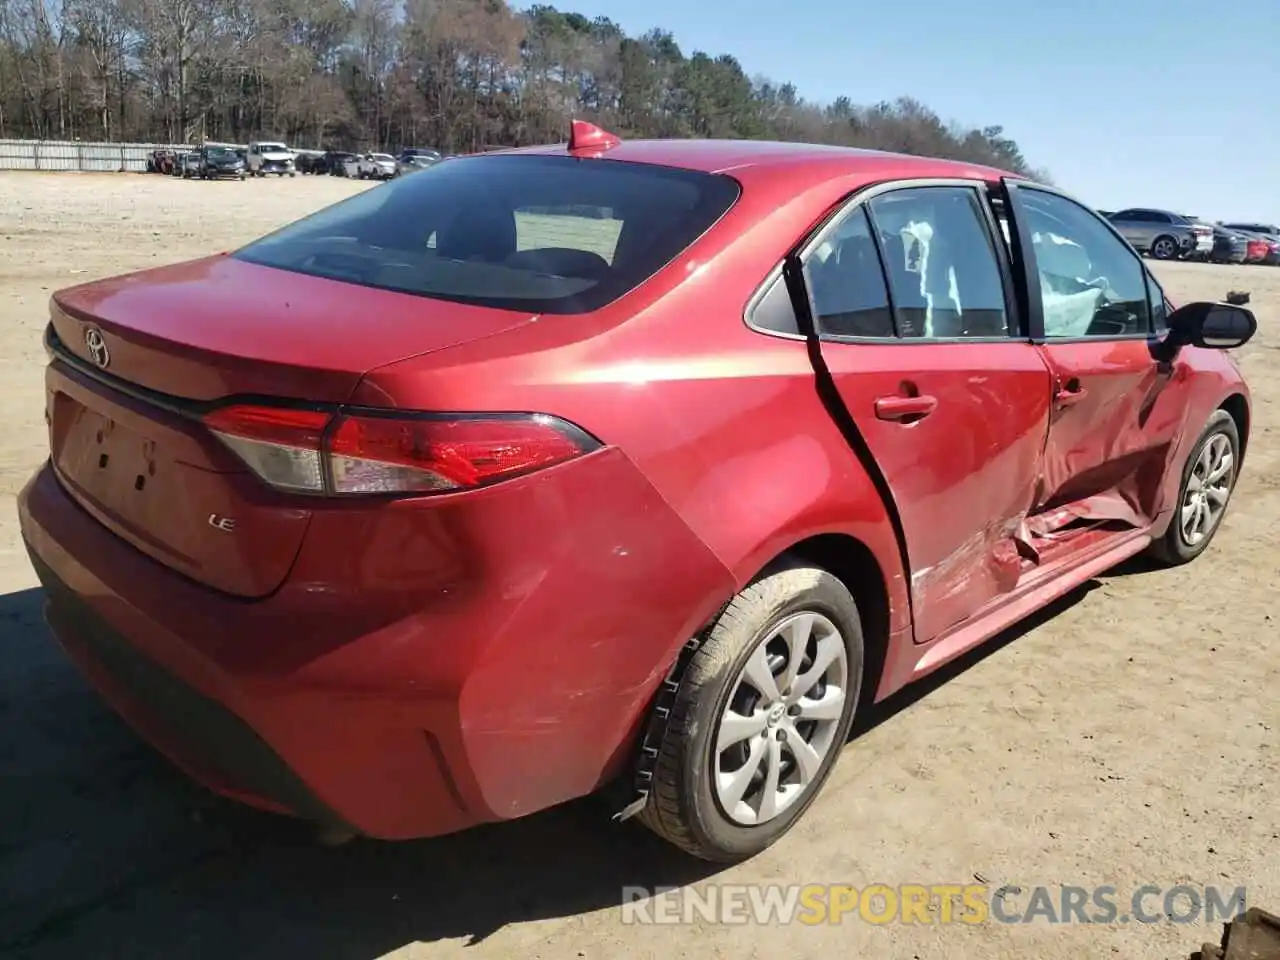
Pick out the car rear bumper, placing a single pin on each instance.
(1226, 254)
(434, 670)
(198, 733)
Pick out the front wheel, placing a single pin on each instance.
(759, 716)
(1208, 480)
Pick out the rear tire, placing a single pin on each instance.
(785, 740)
(1204, 493)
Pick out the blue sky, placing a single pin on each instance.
(1165, 103)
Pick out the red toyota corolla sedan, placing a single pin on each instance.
(635, 463)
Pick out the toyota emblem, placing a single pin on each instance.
(97, 345)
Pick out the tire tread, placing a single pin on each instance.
(666, 813)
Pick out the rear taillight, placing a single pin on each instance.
(281, 445)
(372, 452)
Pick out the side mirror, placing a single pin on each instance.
(1216, 326)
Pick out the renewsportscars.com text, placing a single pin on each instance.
(880, 904)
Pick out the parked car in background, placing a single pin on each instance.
(1203, 231)
(335, 162)
(1229, 246)
(415, 158)
(1268, 232)
(1257, 247)
(1158, 233)
(309, 161)
(179, 163)
(191, 165)
(405, 549)
(374, 166)
(1273, 245)
(270, 156)
(219, 163)
(161, 161)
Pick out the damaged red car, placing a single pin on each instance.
(642, 464)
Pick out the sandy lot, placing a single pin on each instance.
(1130, 737)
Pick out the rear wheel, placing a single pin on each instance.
(759, 717)
(1208, 480)
(1164, 248)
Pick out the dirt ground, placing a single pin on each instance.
(1129, 737)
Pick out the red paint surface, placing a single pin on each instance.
(1257, 250)
(435, 662)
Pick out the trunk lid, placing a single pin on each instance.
(142, 356)
(219, 326)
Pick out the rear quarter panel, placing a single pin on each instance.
(724, 421)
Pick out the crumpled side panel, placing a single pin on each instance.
(1108, 453)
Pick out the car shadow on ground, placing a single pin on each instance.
(107, 850)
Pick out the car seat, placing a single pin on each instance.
(849, 292)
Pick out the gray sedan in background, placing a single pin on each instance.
(1160, 233)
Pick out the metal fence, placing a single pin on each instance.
(78, 156)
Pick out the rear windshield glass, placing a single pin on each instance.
(521, 232)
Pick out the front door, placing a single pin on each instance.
(909, 292)
(1117, 412)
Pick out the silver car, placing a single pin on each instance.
(1158, 233)
(415, 158)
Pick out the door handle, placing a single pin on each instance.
(1069, 393)
(905, 409)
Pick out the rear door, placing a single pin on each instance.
(1135, 227)
(1094, 312)
(909, 291)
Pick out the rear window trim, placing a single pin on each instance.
(551, 307)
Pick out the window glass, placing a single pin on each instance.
(583, 227)
(773, 311)
(941, 262)
(1091, 282)
(521, 232)
(846, 283)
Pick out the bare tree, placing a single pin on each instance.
(459, 75)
